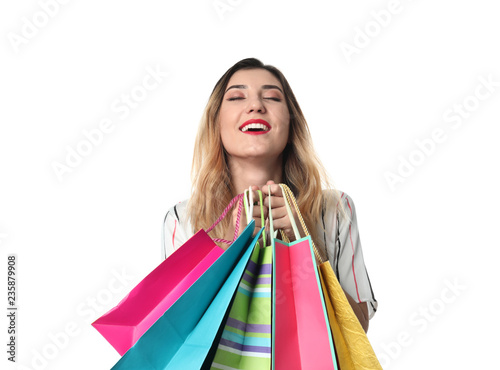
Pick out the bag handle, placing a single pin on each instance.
(270, 215)
(290, 198)
(272, 233)
(290, 213)
(249, 209)
(224, 213)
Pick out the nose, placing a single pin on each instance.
(255, 105)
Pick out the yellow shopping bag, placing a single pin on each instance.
(354, 351)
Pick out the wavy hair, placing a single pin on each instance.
(212, 188)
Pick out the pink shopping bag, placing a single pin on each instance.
(301, 336)
(124, 324)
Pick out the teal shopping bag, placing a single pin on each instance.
(245, 343)
(182, 337)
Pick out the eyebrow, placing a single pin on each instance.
(265, 87)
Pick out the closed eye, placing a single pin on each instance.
(241, 98)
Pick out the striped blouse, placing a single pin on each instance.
(341, 237)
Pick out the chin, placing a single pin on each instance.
(267, 156)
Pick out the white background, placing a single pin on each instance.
(437, 227)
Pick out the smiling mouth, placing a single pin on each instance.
(255, 127)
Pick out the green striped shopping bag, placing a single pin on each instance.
(246, 338)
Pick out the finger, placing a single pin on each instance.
(275, 189)
(267, 189)
(255, 195)
(259, 212)
(276, 202)
(266, 212)
(258, 223)
(283, 224)
(279, 213)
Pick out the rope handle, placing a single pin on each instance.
(224, 213)
(290, 198)
(290, 213)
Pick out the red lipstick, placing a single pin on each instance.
(255, 127)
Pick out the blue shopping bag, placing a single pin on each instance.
(182, 337)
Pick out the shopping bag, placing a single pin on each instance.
(246, 339)
(183, 335)
(359, 350)
(342, 351)
(354, 351)
(245, 342)
(301, 333)
(124, 324)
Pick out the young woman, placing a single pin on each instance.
(253, 133)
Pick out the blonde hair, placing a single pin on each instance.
(212, 188)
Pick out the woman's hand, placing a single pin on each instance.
(281, 220)
(360, 310)
(279, 211)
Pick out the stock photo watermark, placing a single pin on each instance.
(87, 311)
(364, 35)
(11, 307)
(223, 6)
(454, 117)
(419, 321)
(31, 26)
(122, 106)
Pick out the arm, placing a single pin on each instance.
(361, 311)
(346, 256)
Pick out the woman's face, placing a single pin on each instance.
(254, 119)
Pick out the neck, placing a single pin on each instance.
(247, 172)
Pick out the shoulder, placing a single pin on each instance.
(337, 201)
(178, 212)
(338, 211)
(347, 203)
(176, 228)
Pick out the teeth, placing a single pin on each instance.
(255, 126)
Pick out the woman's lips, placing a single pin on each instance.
(255, 127)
